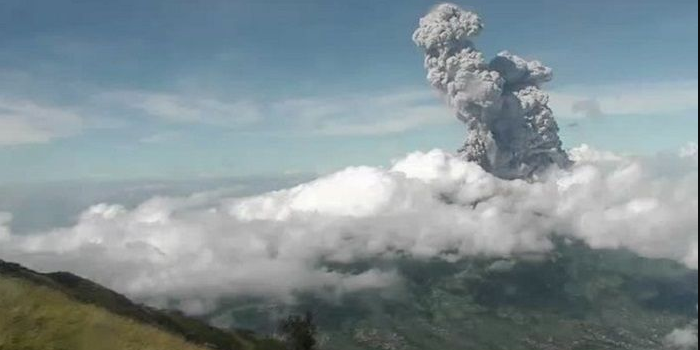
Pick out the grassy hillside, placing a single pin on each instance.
(62, 311)
(39, 318)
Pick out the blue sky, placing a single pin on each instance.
(119, 90)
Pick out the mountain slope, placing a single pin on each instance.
(574, 299)
(62, 311)
(38, 318)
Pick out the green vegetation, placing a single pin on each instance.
(299, 333)
(61, 311)
(38, 318)
(573, 299)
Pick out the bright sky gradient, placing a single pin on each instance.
(176, 89)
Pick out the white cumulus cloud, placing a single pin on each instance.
(426, 205)
(684, 338)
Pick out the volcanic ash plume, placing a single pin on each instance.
(511, 129)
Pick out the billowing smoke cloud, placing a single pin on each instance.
(426, 205)
(511, 129)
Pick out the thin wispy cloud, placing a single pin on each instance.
(357, 115)
(27, 122)
(365, 115)
(24, 121)
(651, 99)
(161, 137)
(183, 108)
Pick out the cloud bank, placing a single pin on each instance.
(427, 205)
